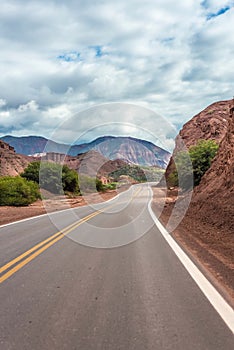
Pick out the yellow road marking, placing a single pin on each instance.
(26, 261)
(52, 240)
(44, 245)
(20, 257)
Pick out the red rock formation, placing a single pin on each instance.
(211, 123)
(213, 199)
(11, 163)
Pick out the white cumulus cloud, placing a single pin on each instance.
(59, 58)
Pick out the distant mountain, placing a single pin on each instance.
(131, 150)
(30, 145)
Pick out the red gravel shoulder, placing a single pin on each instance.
(210, 248)
(11, 214)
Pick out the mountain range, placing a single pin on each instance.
(128, 149)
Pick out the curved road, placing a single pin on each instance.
(60, 289)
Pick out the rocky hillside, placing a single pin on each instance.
(207, 228)
(215, 194)
(211, 123)
(11, 163)
(129, 149)
(93, 163)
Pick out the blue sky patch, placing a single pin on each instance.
(98, 49)
(205, 4)
(219, 13)
(72, 56)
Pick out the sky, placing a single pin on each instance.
(61, 59)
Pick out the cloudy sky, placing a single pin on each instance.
(59, 58)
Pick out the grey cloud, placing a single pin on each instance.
(165, 56)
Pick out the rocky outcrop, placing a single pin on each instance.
(11, 163)
(213, 199)
(211, 123)
(93, 163)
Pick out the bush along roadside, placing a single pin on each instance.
(193, 163)
(17, 191)
(56, 178)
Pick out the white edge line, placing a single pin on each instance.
(221, 306)
(57, 212)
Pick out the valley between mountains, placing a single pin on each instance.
(206, 230)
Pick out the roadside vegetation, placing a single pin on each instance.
(52, 177)
(17, 191)
(139, 174)
(55, 178)
(192, 165)
(88, 184)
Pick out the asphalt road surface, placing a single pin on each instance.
(101, 277)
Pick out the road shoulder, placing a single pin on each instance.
(212, 251)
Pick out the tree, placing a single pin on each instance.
(18, 191)
(53, 177)
(50, 177)
(32, 172)
(70, 180)
(184, 170)
(201, 156)
(192, 165)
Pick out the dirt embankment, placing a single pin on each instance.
(207, 228)
(211, 249)
(11, 214)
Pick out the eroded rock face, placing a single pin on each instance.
(11, 163)
(210, 124)
(93, 163)
(213, 200)
(214, 197)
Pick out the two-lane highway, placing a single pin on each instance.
(101, 277)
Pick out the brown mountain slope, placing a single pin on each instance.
(215, 194)
(91, 163)
(207, 229)
(211, 123)
(11, 163)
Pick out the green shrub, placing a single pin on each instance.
(87, 184)
(100, 186)
(70, 180)
(17, 191)
(32, 172)
(201, 156)
(90, 184)
(192, 165)
(172, 179)
(53, 177)
(111, 186)
(132, 171)
(184, 173)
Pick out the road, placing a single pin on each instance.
(108, 281)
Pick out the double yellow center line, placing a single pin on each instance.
(16, 264)
(20, 261)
